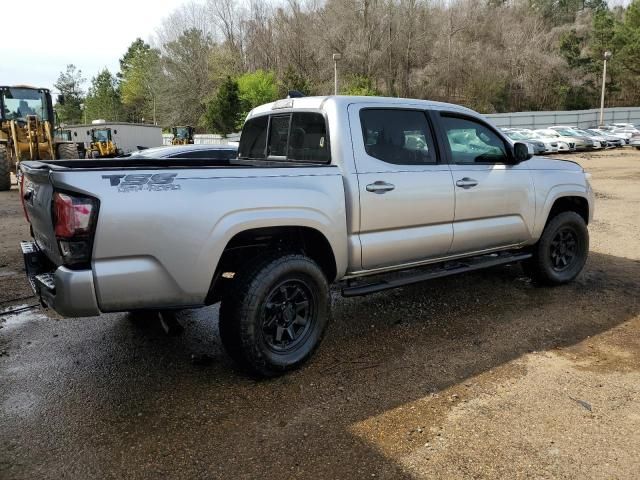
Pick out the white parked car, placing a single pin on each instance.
(611, 140)
(629, 127)
(598, 140)
(552, 145)
(583, 142)
(621, 132)
(561, 139)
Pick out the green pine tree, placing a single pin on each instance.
(223, 111)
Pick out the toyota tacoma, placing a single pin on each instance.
(367, 193)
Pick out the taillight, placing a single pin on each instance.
(74, 221)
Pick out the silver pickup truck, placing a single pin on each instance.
(371, 193)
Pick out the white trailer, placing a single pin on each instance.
(128, 137)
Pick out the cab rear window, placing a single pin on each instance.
(297, 137)
(253, 141)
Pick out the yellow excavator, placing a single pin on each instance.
(182, 135)
(26, 130)
(102, 144)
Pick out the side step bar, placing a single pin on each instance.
(438, 271)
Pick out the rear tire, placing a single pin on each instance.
(5, 169)
(275, 314)
(67, 151)
(561, 253)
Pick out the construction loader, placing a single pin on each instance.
(102, 144)
(182, 135)
(26, 130)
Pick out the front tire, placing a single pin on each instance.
(561, 253)
(67, 151)
(275, 314)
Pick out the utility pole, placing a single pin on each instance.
(336, 57)
(607, 56)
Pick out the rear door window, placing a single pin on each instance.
(400, 137)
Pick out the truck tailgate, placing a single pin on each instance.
(37, 192)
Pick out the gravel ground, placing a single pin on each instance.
(477, 376)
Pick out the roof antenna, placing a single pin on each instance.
(295, 94)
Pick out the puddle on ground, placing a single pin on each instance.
(5, 272)
(21, 317)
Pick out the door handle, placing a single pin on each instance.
(467, 182)
(380, 187)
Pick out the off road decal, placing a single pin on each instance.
(158, 182)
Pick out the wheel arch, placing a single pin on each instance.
(247, 245)
(570, 203)
(560, 200)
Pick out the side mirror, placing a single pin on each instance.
(115, 132)
(88, 132)
(521, 152)
(75, 134)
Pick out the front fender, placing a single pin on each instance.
(556, 192)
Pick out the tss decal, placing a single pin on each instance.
(143, 181)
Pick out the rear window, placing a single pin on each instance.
(253, 140)
(297, 137)
(278, 136)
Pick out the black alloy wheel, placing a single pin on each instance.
(563, 249)
(288, 315)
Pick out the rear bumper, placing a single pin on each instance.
(71, 293)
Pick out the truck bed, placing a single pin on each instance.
(163, 224)
(159, 163)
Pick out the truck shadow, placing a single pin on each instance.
(381, 352)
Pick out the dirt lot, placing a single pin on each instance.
(479, 376)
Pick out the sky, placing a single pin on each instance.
(45, 36)
(92, 35)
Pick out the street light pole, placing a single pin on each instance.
(153, 99)
(336, 57)
(607, 56)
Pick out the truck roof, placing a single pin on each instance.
(345, 100)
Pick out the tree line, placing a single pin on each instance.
(210, 63)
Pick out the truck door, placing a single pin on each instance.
(406, 192)
(495, 201)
